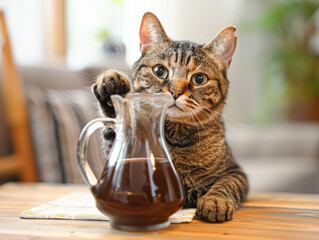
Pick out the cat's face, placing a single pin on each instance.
(194, 74)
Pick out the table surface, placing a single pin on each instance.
(263, 216)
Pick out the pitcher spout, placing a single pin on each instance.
(118, 103)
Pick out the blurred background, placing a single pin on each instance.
(58, 48)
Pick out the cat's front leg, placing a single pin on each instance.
(109, 83)
(223, 198)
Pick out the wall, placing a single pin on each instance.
(24, 23)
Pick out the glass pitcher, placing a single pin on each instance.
(139, 187)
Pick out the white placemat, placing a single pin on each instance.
(81, 206)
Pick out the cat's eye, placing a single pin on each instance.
(160, 71)
(199, 79)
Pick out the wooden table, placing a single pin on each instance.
(263, 216)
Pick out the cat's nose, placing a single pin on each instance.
(175, 92)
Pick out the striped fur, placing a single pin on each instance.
(194, 129)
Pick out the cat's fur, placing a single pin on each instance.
(194, 129)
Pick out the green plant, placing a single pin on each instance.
(291, 65)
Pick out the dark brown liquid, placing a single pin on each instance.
(139, 192)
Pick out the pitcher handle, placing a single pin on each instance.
(81, 153)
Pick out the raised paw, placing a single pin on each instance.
(215, 209)
(109, 83)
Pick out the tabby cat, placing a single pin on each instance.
(196, 76)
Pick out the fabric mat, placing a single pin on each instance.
(81, 206)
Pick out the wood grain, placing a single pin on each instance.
(263, 216)
(22, 162)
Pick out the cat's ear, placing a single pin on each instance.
(151, 31)
(224, 44)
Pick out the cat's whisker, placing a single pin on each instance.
(145, 103)
(212, 117)
(212, 112)
(151, 113)
(239, 123)
(216, 115)
(189, 113)
(209, 119)
(200, 122)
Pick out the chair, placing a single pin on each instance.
(21, 163)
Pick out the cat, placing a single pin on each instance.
(196, 76)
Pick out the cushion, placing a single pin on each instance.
(57, 118)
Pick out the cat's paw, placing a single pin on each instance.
(215, 209)
(109, 83)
